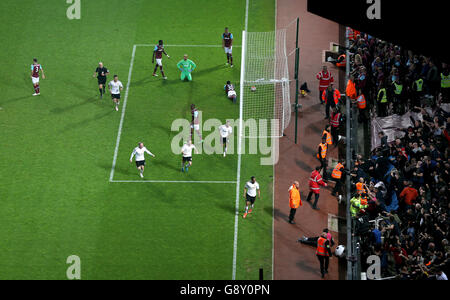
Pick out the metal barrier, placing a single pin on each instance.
(353, 253)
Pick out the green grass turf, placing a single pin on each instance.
(57, 149)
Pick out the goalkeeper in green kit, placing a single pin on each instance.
(186, 66)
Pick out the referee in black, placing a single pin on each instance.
(101, 72)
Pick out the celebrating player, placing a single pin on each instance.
(229, 90)
(250, 189)
(115, 86)
(186, 151)
(186, 66)
(227, 44)
(157, 53)
(35, 68)
(101, 73)
(195, 123)
(225, 131)
(139, 152)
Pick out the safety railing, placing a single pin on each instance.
(353, 253)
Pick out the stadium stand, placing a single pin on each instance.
(405, 221)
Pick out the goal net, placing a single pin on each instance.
(265, 93)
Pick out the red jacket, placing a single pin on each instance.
(315, 181)
(409, 195)
(324, 80)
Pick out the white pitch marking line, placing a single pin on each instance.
(246, 15)
(273, 176)
(198, 46)
(124, 106)
(238, 172)
(175, 181)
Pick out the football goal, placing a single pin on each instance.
(265, 91)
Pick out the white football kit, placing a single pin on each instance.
(225, 131)
(187, 150)
(139, 152)
(251, 188)
(115, 86)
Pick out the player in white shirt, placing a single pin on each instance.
(225, 131)
(250, 190)
(139, 152)
(115, 86)
(195, 124)
(186, 151)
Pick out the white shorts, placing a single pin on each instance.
(231, 94)
(228, 50)
(159, 61)
(35, 80)
(196, 126)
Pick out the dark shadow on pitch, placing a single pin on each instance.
(61, 110)
(85, 122)
(155, 162)
(121, 170)
(7, 101)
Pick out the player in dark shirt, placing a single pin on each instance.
(227, 44)
(230, 91)
(157, 53)
(101, 73)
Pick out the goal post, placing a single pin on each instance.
(265, 83)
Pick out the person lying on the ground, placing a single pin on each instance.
(230, 91)
(312, 241)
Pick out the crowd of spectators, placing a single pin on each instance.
(405, 182)
(410, 80)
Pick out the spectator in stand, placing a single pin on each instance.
(445, 83)
(409, 196)
(432, 80)
(383, 102)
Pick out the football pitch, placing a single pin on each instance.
(67, 186)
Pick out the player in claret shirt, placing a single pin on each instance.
(35, 68)
(230, 92)
(227, 44)
(157, 53)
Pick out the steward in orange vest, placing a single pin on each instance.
(336, 95)
(361, 102)
(335, 121)
(351, 90)
(341, 61)
(294, 201)
(322, 156)
(337, 175)
(327, 134)
(337, 171)
(331, 98)
(323, 253)
(360, 186)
